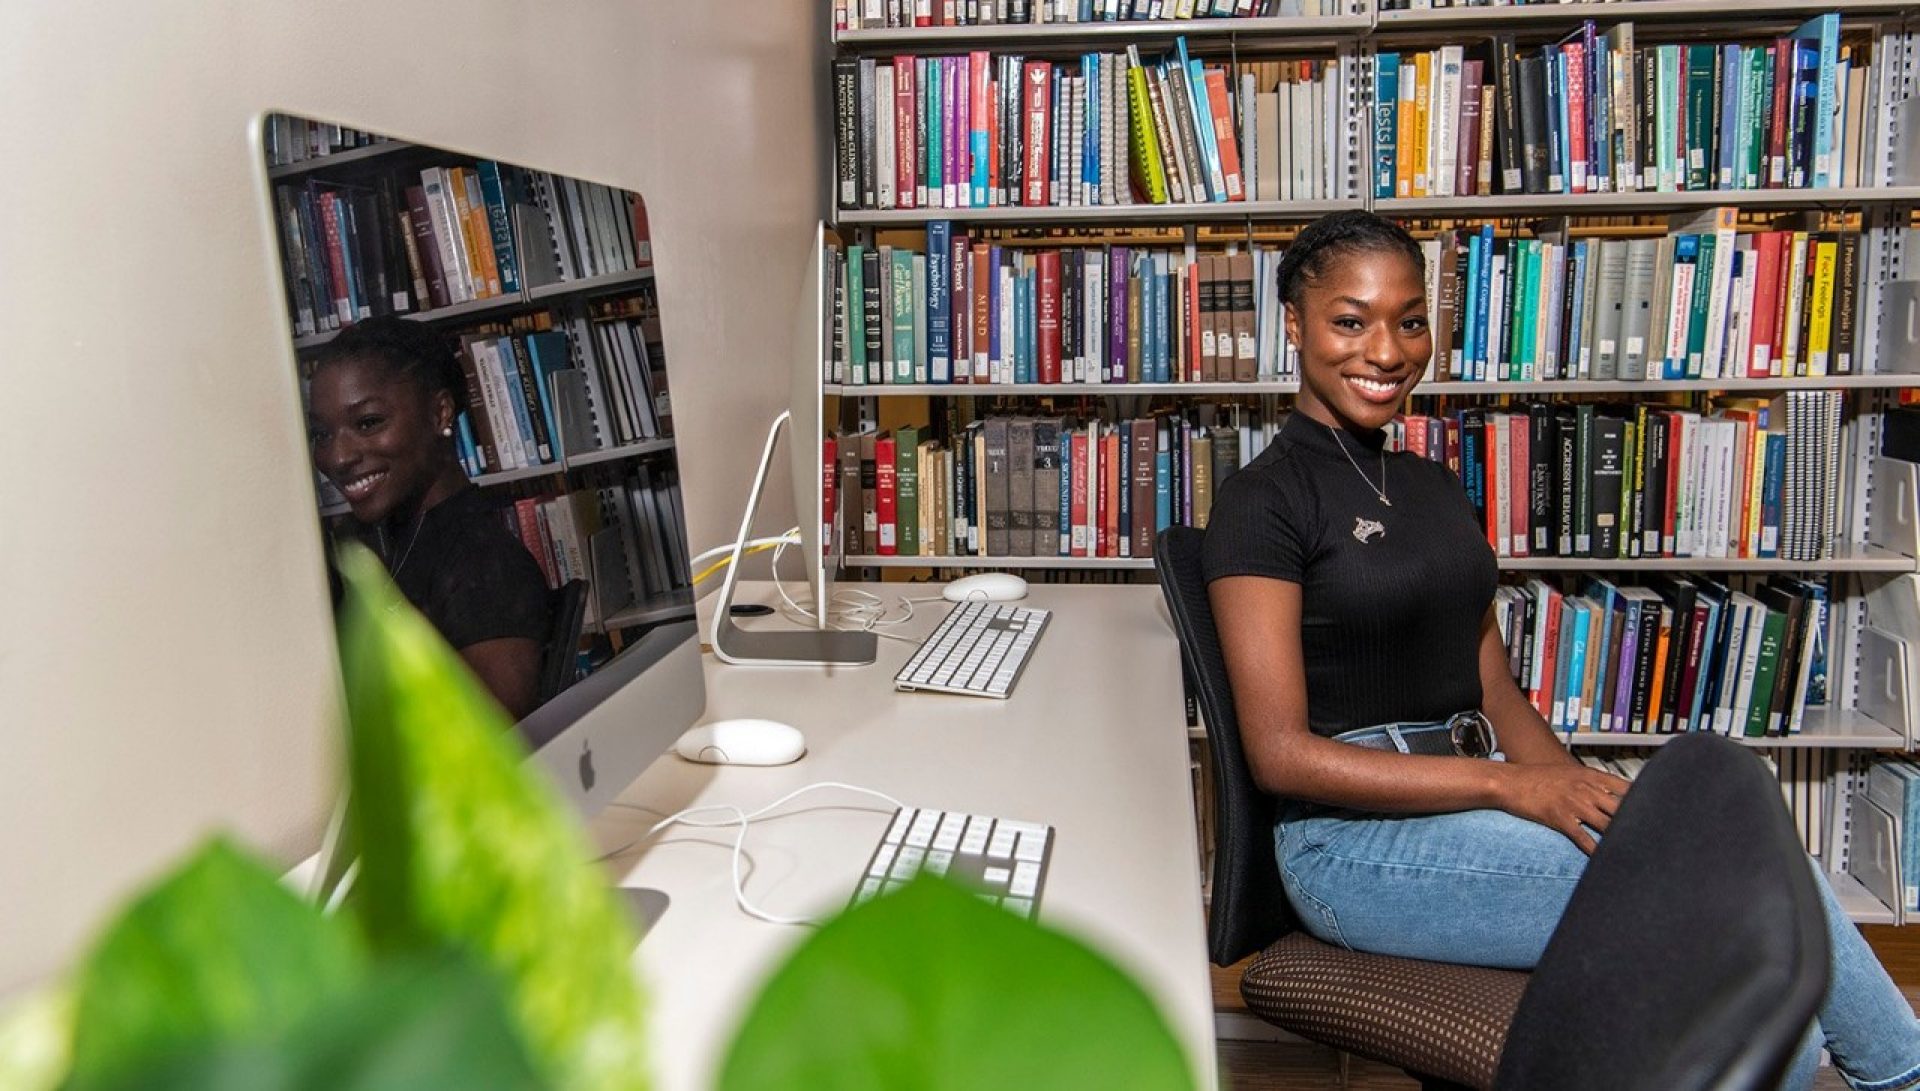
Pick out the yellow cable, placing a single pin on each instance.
(728, 559)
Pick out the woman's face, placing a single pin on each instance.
(376, 436)
(1361, 328)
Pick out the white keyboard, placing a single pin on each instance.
(1005, 862)
(979, 650)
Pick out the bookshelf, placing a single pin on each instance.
(547, 284)
(1878, 203)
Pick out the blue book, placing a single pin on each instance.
(1715, 598)
(1770, 487)
(1603, 593)
(500, 220)
(1577, 273)
(1686, 251)
(1162, 480)
(935, 86)
(1824, 32)
(1022, 330)
(548, 351)
(1599, 110)
(1162, 327)
(1386, 121)
(1202, 118)
(1556, 92)
(1065, 544)
(977, 151)
(1731, 69)
(343, 227)
(1470, 310)
(939, 301)
(1484, 293)
(469, 450)
(502, 349)
(1576, 666)
(1090, 137)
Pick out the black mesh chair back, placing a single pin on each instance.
(567, 613)
(1693, 954)
(1250, 908)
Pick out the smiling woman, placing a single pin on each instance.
(384, 397)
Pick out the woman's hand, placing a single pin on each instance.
(1570, 798)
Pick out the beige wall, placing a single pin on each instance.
(164, 641)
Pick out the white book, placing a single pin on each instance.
(941, 370)
(1542, 596)
(1096, 339)
(1249, 138)
(1506, 544)
(1000, 371)
(1679, 309)
(1333, 121)
(506, 425)
(1282, 127)
(447, 236)
(1444, 137)
(884, 164)
(1729, 665)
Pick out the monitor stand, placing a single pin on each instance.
(645, 906)
(819, 647)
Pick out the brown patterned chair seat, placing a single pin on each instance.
(1443, 1021)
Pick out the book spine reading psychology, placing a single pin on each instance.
(986, 130)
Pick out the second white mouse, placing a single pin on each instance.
(742, 742)
(990, 586)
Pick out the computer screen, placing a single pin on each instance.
(488, 403)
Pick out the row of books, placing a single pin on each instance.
(1748, 479)
(1683, 653)
(1593, 113)
(624, 536)
(296, 140)
(889, 14)
(980, 130)
(1023, 486)
(1703, 301)
(968, 311)
(445, 235)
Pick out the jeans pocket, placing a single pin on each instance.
(1318, 916)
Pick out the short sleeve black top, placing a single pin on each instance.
(1392, 595)
(469, 574)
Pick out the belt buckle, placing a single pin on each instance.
(1471, 735)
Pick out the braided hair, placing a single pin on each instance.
(1337, 234)
(411, 351)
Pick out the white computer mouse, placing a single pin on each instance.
(742, 742)
(991, 586)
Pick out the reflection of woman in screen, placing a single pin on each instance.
(384, 398)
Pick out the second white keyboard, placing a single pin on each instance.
(979, 650)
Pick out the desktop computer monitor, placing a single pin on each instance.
(805, 425)
(464, 322)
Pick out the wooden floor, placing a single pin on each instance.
(1274, 1066)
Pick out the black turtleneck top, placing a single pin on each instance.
(1392, 595)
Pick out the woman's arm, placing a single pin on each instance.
(510, 669)
(1524, 737)
(1258, 620)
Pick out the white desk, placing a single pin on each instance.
(1092, 742)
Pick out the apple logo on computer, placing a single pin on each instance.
(586, 766)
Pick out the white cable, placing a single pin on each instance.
(848, 609)
(743, 819)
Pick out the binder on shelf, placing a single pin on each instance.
(579, 434)
(613, 582)
(539, 266)
(1900, 326)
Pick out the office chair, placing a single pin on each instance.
(1442, 1023)
(1693, 954)
(567, 605)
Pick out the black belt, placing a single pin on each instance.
(1465, 734)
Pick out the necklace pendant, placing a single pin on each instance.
(1386, 501)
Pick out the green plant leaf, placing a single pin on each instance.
(464, 846)
(430, 1023)
(35, 1039)
(217, 949)
(931, 989)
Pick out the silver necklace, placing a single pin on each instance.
(1379, 491)
(421, 519)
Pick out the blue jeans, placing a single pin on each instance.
(1428, 886)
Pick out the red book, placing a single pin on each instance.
(336, 260)
(1496, 430)
(1223, 131)
(1190, 314)
(526, 513)
(1669, 539)
(1078, 493)
(1038, 115)
(1110, 470)
(922, 15)
(1519, 508)
(1549, 654)
(1453, 445)
(1416, 432)
(885, 499)
(980, 276)
(829, 482)
(1774, 168)
(429, 250)
(1578, 152)
(1047, 306)
(1767, 256)
(906, 163)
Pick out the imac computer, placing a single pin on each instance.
(804, 420)
(551, 305)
